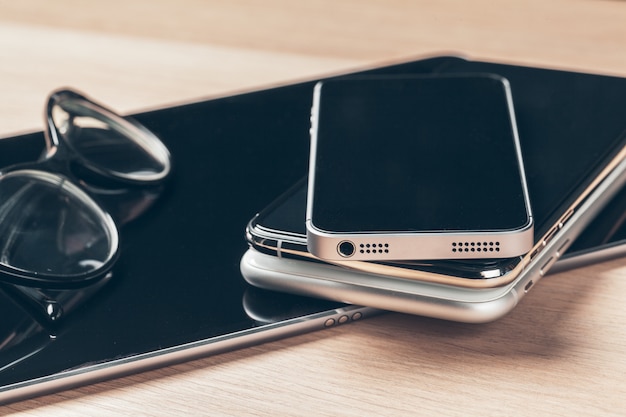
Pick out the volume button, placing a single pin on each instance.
(535, 253)
(566, 217)
(547, 265)
(312, 125)
(563, 248)
(551, 234)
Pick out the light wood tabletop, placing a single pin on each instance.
(562, 351)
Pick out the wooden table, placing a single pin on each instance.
(561, 352)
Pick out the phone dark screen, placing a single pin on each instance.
(399, 154)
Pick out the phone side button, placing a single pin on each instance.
(546, 267)
(535, 252)
(550, 235)
(566, 217)
(561, 250)
(528, 286)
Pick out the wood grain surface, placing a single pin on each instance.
(561, 352)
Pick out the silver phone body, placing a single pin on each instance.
(368, 201)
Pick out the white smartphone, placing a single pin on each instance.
(416, 167)
(574, 139)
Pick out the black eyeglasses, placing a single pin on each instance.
(54, 233)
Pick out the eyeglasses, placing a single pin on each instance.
(54, 231)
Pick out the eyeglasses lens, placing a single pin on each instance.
(49, 226)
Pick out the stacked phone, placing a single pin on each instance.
(449, 193)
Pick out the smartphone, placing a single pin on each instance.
(416, 167)
(574, 139)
